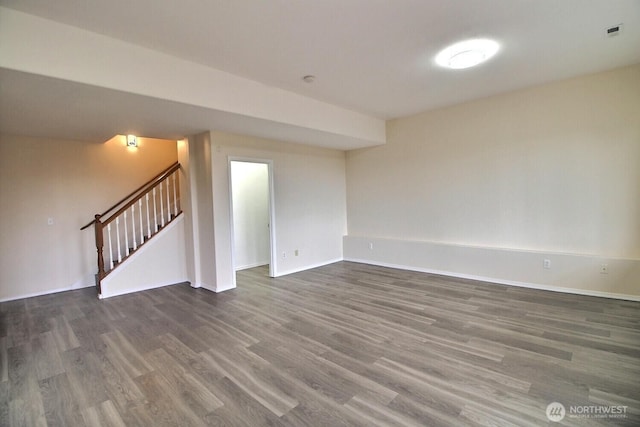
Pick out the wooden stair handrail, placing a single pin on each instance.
(142, 189)
(139, 196)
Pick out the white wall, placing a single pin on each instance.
(159, 262)
(310, 201)
(194, 154)
(250, 196)
(68, 181)
(549, 170)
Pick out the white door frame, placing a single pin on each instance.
(272, 214)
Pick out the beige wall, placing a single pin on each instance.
(550, 169)
(309, 197)
(68, 181)
(545, 171)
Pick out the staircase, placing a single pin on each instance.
(138, 217)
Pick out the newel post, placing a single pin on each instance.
(99, 245)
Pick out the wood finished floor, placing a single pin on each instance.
(342, 345)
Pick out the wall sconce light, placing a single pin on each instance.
(132, 141)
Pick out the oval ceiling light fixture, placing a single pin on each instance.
(467, 53)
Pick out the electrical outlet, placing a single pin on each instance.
(296, 252)
(546, 264)
(284, 254)
(370, 246)
(604, 268)
(49, 221)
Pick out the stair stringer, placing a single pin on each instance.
(159, 262)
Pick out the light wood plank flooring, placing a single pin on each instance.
(342, 345)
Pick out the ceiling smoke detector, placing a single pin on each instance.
(309, 78)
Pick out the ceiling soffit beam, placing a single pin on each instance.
(40, 46)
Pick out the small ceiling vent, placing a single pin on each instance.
(614, 31)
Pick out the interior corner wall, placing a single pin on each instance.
(67, 182)
(197, 204)
(549, 172)
(188, 196)
(309, 197)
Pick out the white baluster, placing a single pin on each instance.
(148, 220)
(141, 227)
(133, 226)
(161, 207)
(126, 235)
(175, 195)
(168, 205)
(118, 240)
(110, 247)
(155, 213)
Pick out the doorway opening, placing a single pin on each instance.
(253, 234)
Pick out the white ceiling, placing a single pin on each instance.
(47, 107)
(371, 56)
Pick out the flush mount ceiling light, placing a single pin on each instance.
(467, 53)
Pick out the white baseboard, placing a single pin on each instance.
(248, 266)
(86, 282)
(202, 285)
(224, 288)
(568, 273)
(307, 267)
(72, 287)
(207, 286)
(499, 281)
(138, 289)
